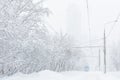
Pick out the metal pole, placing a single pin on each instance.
(99, 60)
(104, 51)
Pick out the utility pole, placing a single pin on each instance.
(99, 60)
(104, 51)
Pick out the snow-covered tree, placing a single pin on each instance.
(23, 34)
(25, 43)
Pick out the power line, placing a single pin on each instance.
(89, 24)
(114, 23)
(88, 47)
(88, 21)
(101, 39)
(88, 14)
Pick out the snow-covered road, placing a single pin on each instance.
(72, 75)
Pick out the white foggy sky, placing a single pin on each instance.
(70, 16)
(73, 20)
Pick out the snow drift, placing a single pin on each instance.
(71, 75)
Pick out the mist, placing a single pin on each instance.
(59, 37)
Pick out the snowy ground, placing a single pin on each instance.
(72, 75)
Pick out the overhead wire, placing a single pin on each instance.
(88, 15)
(114, 24)
(101, 39)
(88, 21)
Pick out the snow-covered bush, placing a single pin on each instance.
(115, 57)
(63, 56)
